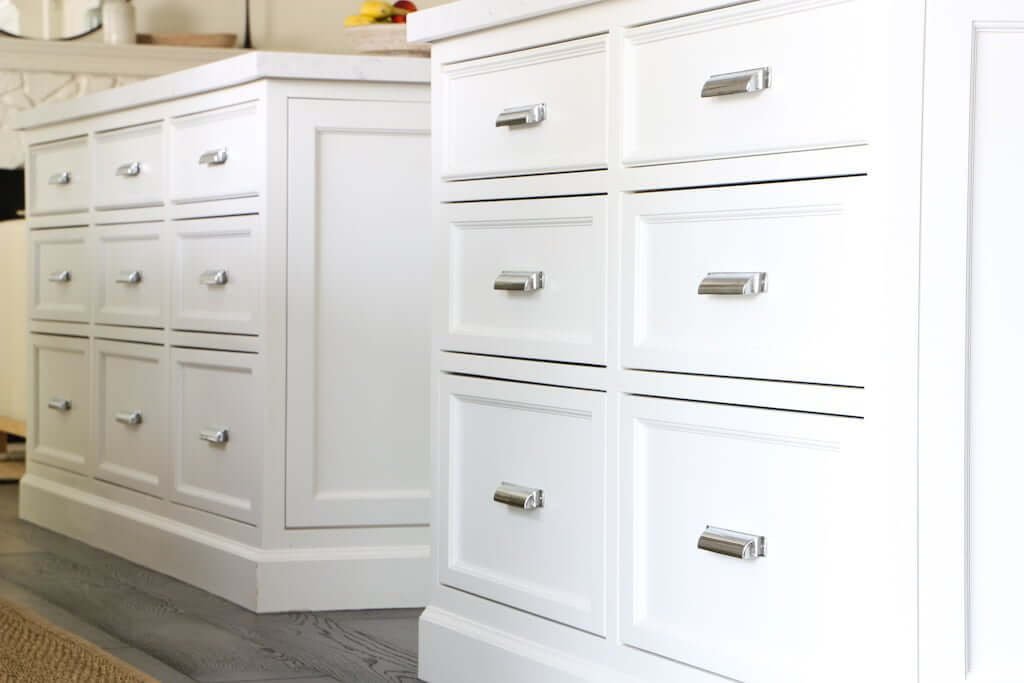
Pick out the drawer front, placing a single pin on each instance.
(783, 616)
(217, 154)
(130, 167)
(59, 177)
(61, 403)
(549, 560)
(217, 274)
(131, 415)
(217, 444)
(569, 82)
(693, 263)
(676, 111)
(131, 287)
(62, 275)
(554, 252)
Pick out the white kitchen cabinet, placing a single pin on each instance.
(230, 328)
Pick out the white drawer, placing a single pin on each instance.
(549, 560)
(130, 167)
(60, 433)
(217, 154)
(131, 286)
(807, 237)
(569, 80)
(566, 240)
(58, 177)
(62, 275)
(131, 415)
(786, 616)
(217, 433)
(817, 85)
(217, 275)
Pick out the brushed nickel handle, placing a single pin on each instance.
(132, 417)
(129, 170)
(214, 157)
(751, 80)
(62, 178)
(732, 543)
(516, 496)
(214, 278)
(529, 115)
(60, 276)
(216, 435)
(734, 284)
(520, 280)
(61, 405)
(129, 277)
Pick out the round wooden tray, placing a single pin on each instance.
(380, 39)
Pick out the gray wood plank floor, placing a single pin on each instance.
(178, 633)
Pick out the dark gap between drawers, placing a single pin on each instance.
(520, 381)
(526, 199)
(743, 405)
(747, 183)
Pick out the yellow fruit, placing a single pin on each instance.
(358, 20)
(376, 9)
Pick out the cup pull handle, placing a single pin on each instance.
(519, 280)
(62, 178)
(214, 278)
(129, 170)
(61, 405)
(216, 435)
(129, 277)
(60, 276)
(732, 543)
(529, 115)
(132, 417)
(214, 157)
(737, 82)
(733, 284)
(522, 497)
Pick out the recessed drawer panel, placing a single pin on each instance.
(217, 154)
(527, 279)
(523, 488)
(60, 433)
(59, 177)
(741, 540)
(533, 111)
(763, 281)
(131, 288)
(130, 167)
(217, 434)
(61, 275)
(759, 78)
(217, 274)
(132, 416)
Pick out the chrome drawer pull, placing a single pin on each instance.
(215, 157)
(731, 543)
(214, 278)
(529, 115)
(129, 277)
(520, 280)
(62, 178)
(60, 276)
(752, 80)
(519, 496)
(129, 170)
(217, 435)
(133, 417)
(735, 284)
(61, 405)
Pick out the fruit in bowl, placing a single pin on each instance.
(379, 12)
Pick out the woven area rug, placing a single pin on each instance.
(34, 651)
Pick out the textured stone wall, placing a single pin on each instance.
(24, 90)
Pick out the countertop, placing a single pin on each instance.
(467, 16)
(231, 72)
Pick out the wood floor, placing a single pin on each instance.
(178, 633)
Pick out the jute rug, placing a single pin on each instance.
(34, 651)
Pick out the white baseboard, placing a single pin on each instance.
(257, 579)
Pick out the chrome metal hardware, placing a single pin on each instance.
(62, 178)
(214, 157)
(734, 284)
(61, 405)
(217, 435)
(132, 418)
(129, 277)
(214, 278)
(520, 280)
(732, 543)
(529, 115)
(517, 496)
(60, 276)
(130, 170)
(752, 80)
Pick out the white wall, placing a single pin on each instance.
(13, 346)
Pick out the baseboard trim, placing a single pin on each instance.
(277, 580)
